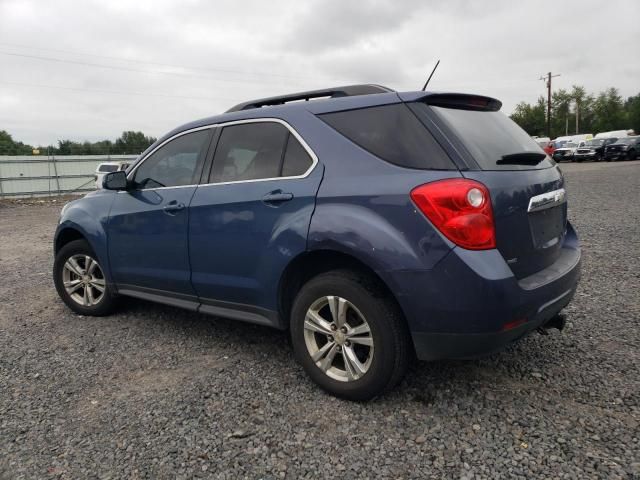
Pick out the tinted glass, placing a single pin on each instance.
(174, 164)
(393, 133)
(490, 136)
(296, 159)
(108, 168)
(249, 152)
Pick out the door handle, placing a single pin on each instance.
(277, 197)
(173, 207)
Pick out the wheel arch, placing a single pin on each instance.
(312, 263)
(66, 235)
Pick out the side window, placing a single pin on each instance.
(296, 159)
(249, 151)
(175, 163)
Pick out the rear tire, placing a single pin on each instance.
(80, 281)
(356, 333)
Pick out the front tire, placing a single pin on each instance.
(80, 281)
(349, 336)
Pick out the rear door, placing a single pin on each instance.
(526, 187)
(252, 217)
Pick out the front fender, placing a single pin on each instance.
(89, 217)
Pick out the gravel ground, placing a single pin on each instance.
(155, 392)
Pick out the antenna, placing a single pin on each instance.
(428, 79)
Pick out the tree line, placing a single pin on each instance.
(129, 143)
(595, 113)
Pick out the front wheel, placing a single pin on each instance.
(80, 281)
(350, 338)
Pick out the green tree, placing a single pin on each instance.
(632, 109)
(560, 110)
(132, 143)
(531, 117)
(8, 146)
(608, 111)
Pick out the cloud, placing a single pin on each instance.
(150, 65)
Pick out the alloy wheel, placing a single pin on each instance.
(83, 280)
(338, 338)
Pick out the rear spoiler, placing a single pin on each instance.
(462, 101)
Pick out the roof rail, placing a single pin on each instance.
(346, 91)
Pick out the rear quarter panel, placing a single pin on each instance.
(364, 208)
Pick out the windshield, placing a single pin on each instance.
(570, 145)
(594, 142)
(494, 140)
(627, 141)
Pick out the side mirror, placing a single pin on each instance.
(115, 181)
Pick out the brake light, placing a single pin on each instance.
(460, 209)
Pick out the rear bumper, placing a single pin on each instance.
(467, 305)
(433, 346)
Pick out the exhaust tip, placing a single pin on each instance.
(558, 322)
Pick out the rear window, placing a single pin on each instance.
(108, 168)
(490, 137)
(392, 133)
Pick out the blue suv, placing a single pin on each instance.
(375, 226)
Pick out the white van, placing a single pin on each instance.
(108, 167)
(613, 134)
(579, 139)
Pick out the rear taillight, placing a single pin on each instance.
(460, 209)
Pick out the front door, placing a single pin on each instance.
(148, 224)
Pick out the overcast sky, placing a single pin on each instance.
(89, 70)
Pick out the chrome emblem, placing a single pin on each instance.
(547, 200)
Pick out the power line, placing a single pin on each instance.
(114, 92)
(128, 69)
(146, 62)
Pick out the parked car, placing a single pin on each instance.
(614, 134)
(107, 167)
(549, 149)
(546, 144)
(373, 225)
(593, 149)
(567, 151)
(626, 148)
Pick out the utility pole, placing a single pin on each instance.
(548, 78)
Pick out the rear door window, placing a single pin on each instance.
(392, 133)
(494, 140)
(249, 151)
(260, 150)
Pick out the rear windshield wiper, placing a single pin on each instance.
(523, 158)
